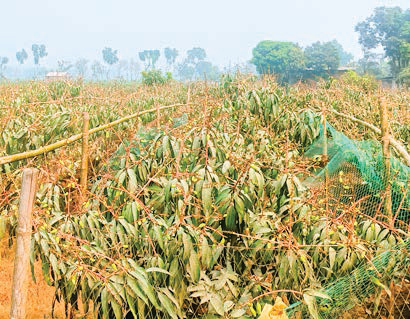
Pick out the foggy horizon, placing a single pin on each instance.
(228, 31)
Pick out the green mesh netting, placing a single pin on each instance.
(356, 172)
(362, 283)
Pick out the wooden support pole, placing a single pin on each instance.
(384, 118)
(325, 150)
(325, 157)
(84, 154)
(22, 258)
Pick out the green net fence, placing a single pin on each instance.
(355, 173)
(364, 282)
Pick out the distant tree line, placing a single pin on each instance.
(387, 28)
(289, 61)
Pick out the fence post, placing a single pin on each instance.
(22, 258)
(384, 119)
(84, 155)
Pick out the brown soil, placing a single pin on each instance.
(40, 295)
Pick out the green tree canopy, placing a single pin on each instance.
(81, 66)
(322, 57)
(344, 56)
(207, 71)
(282, 58)
(110, 56)
(39, 51)
(195, 55)
(21, 56)
(3, 62)
(170, 55)
(149, 57)
(390, 29)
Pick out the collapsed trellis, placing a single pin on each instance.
(119, 234)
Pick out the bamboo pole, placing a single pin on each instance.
(72, 139)
(384, 119)
(158, 119)
(84, 155)
(396, 144)
(325, 150)
(325, 157)
(22, 259)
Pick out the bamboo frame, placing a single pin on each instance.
(396, 144)
(72, 139)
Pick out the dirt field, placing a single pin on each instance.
(40, 295)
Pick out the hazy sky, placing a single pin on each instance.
(228, 30)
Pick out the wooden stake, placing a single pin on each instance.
(384, 118)
(325, 157)
(84, 155)
(22, 259)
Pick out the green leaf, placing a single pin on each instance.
(132, 184)
(206, 199)
(237, 313)
(131, 303)
(45, 247)
(226, 166)
(104, 302)
(145, 285)
(156, 269)
(117, 309)
(137, 290)
(194, 266)
(168, 305)
(54, 264)
(217, 304)
(311, 303)
(332, 257)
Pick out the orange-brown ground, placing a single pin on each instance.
(40, 295)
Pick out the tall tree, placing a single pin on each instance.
(344, 56)
(21, 56)
(3, 62)
(185, 71)
(39, 51)
(110, 56)
(81, 67)
(170, 55)
(206, 70)
(285, 59)
(322, 57)
(98, 70)
(149, 57)
(64, 66)
(195, 55)
(390, 29)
